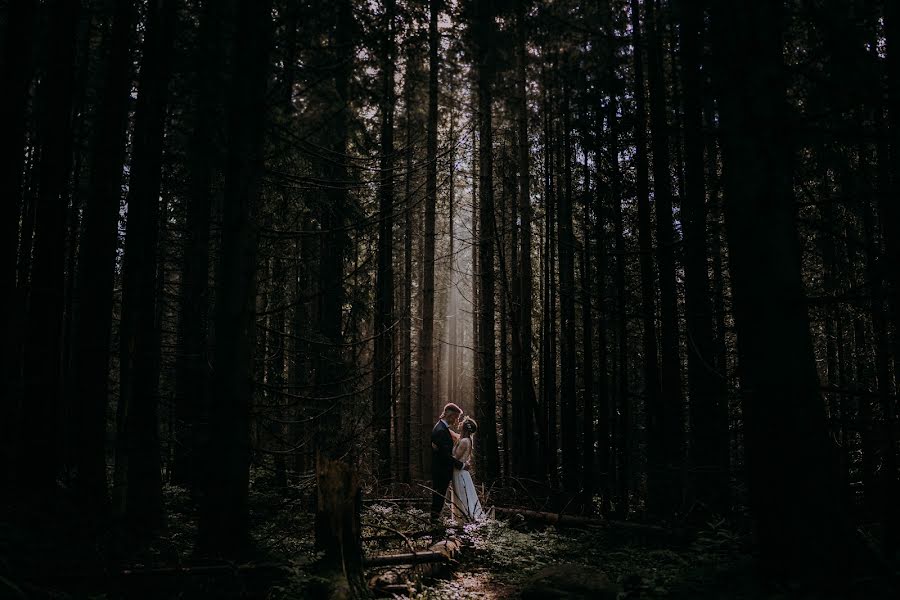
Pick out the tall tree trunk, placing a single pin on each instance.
(426, 333)
(16, 72)
(567, 393)
(39, 457)
(887, 206)
(453, 364)
(664, 474)
(799, 518)
(594, 204)
(890, 483)
(548, 327)
(333, 241)
(525, 408)
(486, 373)
(708, 400)
(714, 234)
(192, 377)
(299, 366)
(622, 419)
(224, 516)
(588, 433)
(384, 281)
(502, 241)
(652, 393)
(409, 467)
(275, 368)
(889, 213)
(96, 266)
(138, 479)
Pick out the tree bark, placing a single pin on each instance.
(889, 213)
(708, 399)
(664, 484)
(548, 324)
(39, 448)
(525, 407)
(138, 485)
(192, 377)
(652, 398)
(224, 514)
(799, 518)
(588, 433)
(96, 266)
(426, 333)
(566, 242)
(384, 281)
(486, 407)
(410, 464)
(16, 73)
(333, 246)
(337, 527)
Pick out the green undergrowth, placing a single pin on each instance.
(503, 559)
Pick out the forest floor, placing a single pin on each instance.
(498, 560)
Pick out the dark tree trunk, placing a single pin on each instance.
(452, 318)
(621, 438)
(548, 326)
(338, 527)
(486, 372)
(525, 408)
(708, 400)
(333, 241)
(224, 519)
(426, 333)
(408, 467)
(587, 319)
(192, 376)
(384, 281)
(567, 394)
(138, 477)
(664, 483)
(39, 457)
(890, 483)
(603, 411)
(16, 73)
(889, 213)
(275, 368)
(652, 398)
(505, 258)
(717, 255)
(799, 518)
(887, 205)
(96, 266)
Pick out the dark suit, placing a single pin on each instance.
(442, 463)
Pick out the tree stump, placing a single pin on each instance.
(338, 504)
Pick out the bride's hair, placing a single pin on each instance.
(469, 425)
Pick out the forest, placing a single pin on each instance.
(252, 248)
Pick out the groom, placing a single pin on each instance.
(442, 461)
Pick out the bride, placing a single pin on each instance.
(466, 506)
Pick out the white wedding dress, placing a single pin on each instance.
(465, 507)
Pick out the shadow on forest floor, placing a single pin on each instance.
(498, 560)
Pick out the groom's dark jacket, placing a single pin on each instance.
(442, 461)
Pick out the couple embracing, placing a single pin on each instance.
(451, 455)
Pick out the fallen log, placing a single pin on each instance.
(443, 551)
(551, 518)
(408, 558)
(404, 500)
(562, 520)
(425, 564)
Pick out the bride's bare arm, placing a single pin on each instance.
(454, 435)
